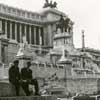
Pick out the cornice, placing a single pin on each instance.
(52, 10)
(29, 16)
(19, 19)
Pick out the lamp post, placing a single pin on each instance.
(83, 50)
(83, 42)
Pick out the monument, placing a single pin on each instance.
(23, 55)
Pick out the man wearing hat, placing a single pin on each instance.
(27, 79)
(14, 76)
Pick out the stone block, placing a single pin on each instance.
(30, 98)
(7, 89)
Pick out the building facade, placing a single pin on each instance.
(49, 36)
(37, 27)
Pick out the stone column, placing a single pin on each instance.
(10, 30)
(5, 28)
(0, 52)
(49, 35)
(20, 33)
(45, 36)
(0, 26)
(6, 54)
(39, 36)
(25, 31)
(30, 34)
(16, 31)
(35, 35)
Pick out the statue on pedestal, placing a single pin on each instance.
(22, 47)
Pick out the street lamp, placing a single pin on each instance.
(83, 49)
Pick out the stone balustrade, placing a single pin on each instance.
(5, 9)
(88, 75)
(41, 70)
(60, 35)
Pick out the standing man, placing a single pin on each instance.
(14, 76)
(26, 77)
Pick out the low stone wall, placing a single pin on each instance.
(30, 98)
(85, 85)
(7, 89)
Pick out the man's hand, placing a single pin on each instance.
(24, 80)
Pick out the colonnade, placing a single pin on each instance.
(16, 30)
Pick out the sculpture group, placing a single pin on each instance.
(64, 24)
(50, 4)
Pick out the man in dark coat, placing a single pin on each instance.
(14, 76)
(26, 77)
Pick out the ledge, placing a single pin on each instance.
(30, 98)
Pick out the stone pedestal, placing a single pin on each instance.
(23, 56)
(23, 60)
(67, 65)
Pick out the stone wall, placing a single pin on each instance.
(7, 89)
(30, 98)
(84, 85)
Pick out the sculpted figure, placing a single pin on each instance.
(46, 4)
(66, 24)
(51, 4)
(55, 5)
(61, 23)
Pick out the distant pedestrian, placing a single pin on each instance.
(14, 76)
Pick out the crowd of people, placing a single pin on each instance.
(22, 78)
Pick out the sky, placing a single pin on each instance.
(84, 13)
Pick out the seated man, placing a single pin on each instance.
(27, 79)
(14, 76)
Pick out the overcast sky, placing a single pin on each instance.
(84, 13)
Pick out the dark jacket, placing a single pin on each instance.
(14, 75)
(26, 74)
